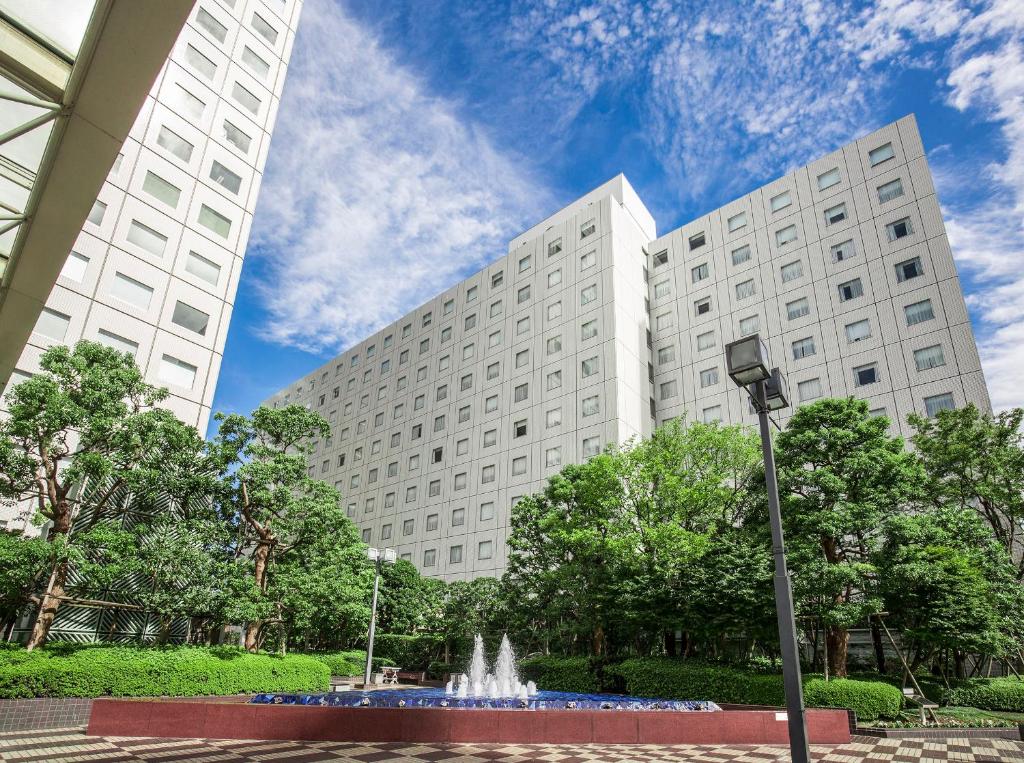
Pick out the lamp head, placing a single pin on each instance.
(390, 555)
(373, 554)
(776, 391)
(746, 360)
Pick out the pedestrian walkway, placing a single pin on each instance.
(66, 745)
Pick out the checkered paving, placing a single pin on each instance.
(73, 745)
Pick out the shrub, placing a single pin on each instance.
(560, 674)
(351, 663)
(408, 652)
(988, 694)
(870, 700)
(123, 671)
(437, 669)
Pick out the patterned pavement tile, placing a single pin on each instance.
(67, 745)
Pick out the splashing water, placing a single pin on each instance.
(502, 683)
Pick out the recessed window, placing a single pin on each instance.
(236, 137)
(202, 268)
(465, 411)
(706, 340)
(851, 290)
(177, 372)
(518, 466)
(797, 308)
(587, 228)
(698, 273)
(485, 549)
(553, 418)
(781, 201)
(745, 289)
(712, 414)
(52, 324)
(487, 474)
(429, 557)
(881, 154)
(466, 382)
(449, 306)
(709, 377)
(524, 263)
(256, 64)
(588, 260)
(737, 221)
(554, 380)
(131, 291)
(471, 293)
(490, 438)
(588, 294)
(188, 104)
(439, 424)
(936, 403)
(246, 98)
(591, 405)
(214, 28)
(495, 309)
(663, 289)
(74, 267)
(175, 144)
(697, 241)
(785, 235)
(493, 371)
(835, 214)
(702, 306)
(889, 191)
(828, 179)
(589, 366)
(408, 526)
(200, 63)
(146, 238)
(118, 342)
(224, 177)
(519, 428)
(843, 251)
(491, 403)
(433, 490)
(462, 447)
(264, 29)
(669, 389)
(661, 258)
(809, 390)
(792, 271)
(410, 494)
(804, 348)
(554, 247)
(899, 229)
(858, 331)
(741, 255)
(190, 318)
(446, 334)
(919, 312)
(554, 345)
(865, 375)
(588, 330)
(442, 393)
(553, 457)
(554, 278)
(214, 221)
(909, 269)
(385, 532)
(929, 357)
(750, 325)
(664, 321)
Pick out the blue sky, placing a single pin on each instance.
(413, 142)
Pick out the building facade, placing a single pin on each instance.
(593, 330)
(155, 268)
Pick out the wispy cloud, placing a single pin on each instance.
(377, 194)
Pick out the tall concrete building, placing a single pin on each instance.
(155, 268)
(593, 330)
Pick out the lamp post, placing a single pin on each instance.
(378, 556)
(747, 363)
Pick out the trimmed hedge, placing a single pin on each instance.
(560, 674)
(351, 663)
(123, 671)
(408, 652)
(870, 700)
(988, 694)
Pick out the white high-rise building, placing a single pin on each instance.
(155, 268)
(593, 329)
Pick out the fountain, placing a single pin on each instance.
(504, 683)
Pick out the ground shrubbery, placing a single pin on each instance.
(408, 652)
(560, 674)
(351, 663)
(870, 700)
(988, 694)
(65, 670)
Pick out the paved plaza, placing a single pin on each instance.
(73, 745)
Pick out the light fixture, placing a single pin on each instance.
(746, 360)
(776, 391)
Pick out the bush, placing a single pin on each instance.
(437, 669)
(988, 694)
(870, 700)
(408, 652)
(121, 671)
(560, 674)
(351, 663)
(674, 679)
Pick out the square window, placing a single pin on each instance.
(698, 273)
(462, 447)
(864, 375)
(589, 366)
(470, 322)
(591, 446)
(437, 455)
(669, 389)
(554, 345)
(858, 331)
(664, 321)
(555, 310)
(553, 418)
(803, 348)
(464, 413)
(522, 325)
(936, 403)
(427, 319)
(797, 308)
(485, 549)
(449, 306)
(429, 557)
(553, 457)
(433, 489)
(702, 306)
(439, 423)
(495, 309)
(588, 260)
(587, 228)
(446, 334)
(491, 404)
(493, 371)
(919, 312)
(842, 251)
(666, 354)
(522, 358)
(781, 201)
(466, 382)
(785, 235)
(709, 377)
(750, 325)
(490, 438)
(588, 330)
(792, 271)
(661, 258)
(408, 526)
(697, 241)
(712, 414)
(522, 392)
(591, 405)
(850, 290)
(663, 288)
(455, 554)
(909, 269)
(928, 358)
(588, 294)
(486, 511)
(554, 380)
(746, 289)
(497, 279)
(828, 179)
(835, 214)
(487, 474)
(518, 466)
(741, 255)
(809, 390)
(889, 191)
(899, 229)
(524, 263)
(737, 221)
(523, 295)
(554, 247)
(554, 278)
(881, 154)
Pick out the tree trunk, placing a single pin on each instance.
(876, 640)
(48, 607)
(960, 663)
(670, 643)
(252, 629)
(837, 640)
(597, 645)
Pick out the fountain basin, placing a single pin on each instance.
(542, 700)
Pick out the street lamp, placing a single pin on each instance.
(747, 362)
(378, 556)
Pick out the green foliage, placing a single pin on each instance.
(23, 564)
(350, 663)
(560, 674)
(64, 670)
(988, 694)
(408, 652)
(870, 700)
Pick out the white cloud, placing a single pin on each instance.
(377, 195)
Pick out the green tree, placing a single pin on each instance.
(406, 601)
(279, 513)
(950, 585)
(975, 460)
(841, 476)
(87, 425)
(23, 567)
